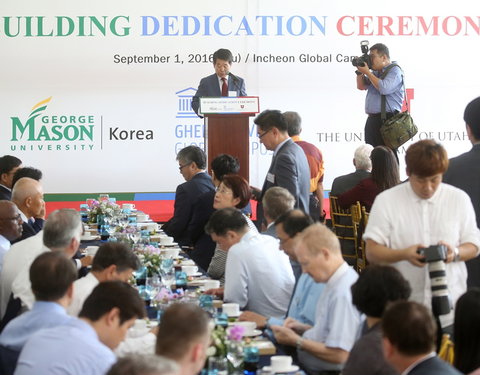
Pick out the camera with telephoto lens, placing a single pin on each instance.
(435, 256)
(365, 58)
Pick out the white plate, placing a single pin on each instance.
(292, 368)
(88, 238)
(196, 274)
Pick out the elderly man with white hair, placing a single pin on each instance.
(363, 166)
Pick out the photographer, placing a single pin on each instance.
(408, 222)
(370, 76)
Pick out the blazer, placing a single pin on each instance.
(5, 194)
(435, 366)
(463, 173)
(209, 86)
(289, 169)
(186, 204)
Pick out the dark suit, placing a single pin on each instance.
(289, 169)
(5, 194)
(30, 229)
(186, 204)
(464, 173)
(433, 366)
(344, 183)
(210, 86)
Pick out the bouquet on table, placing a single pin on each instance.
(150, 257)
(104, 208)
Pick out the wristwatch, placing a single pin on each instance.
(456, 253)
(299, 343)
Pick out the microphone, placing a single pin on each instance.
(235, 81)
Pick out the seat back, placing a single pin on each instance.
(8, 360)
(343, 227)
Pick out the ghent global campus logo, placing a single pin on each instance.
(52, 132)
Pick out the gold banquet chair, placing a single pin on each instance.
(344, 229)
(359, 220)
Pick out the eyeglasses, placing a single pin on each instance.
(224, 190)
(183, 166)
(16, 218)
(261, 135)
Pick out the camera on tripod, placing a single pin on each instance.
(435, 256)
(365, 58)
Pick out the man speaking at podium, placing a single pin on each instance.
(222, 83)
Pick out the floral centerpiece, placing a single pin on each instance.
(105, 208)
(150, 257)
(221, 338)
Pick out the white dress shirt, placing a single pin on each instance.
(21, 254)
(258, 275)
(82, 288)
(4, 247)
(399, 219)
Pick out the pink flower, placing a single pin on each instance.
(235, 333)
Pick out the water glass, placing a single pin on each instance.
(153, 285)
(166, 265)
(180, 278)
(217, 366)
(168, 279)
(251, 357)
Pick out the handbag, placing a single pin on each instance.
(399, 128)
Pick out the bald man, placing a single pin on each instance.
(10, 227)
(27, 194)
(325, 346)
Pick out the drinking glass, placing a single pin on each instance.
(153, 285)
(166, 265)
(217, 366)
(168, 279)
(235, 355)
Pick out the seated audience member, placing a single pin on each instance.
(384, 175)
(420, 213)
(8, 166)
(28, 196)
(184, 337)
(233, 191)
(30, 172)
(112, 262)
(376, 287)
(467, 332)
(144, 365)
(20, 255)
(363, 166)
(306, 293)
(325, 346)
(52, 275)
(61, 233)
(315, 164)
(258, 276)
(409, 336)
(220, 166)
(84, 345)
(276, 202)
(10, 227)
(192, 164)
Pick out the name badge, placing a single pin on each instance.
(271, 178)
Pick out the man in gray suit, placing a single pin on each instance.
(464, 173)
(222, 83)
(363, 165)
(289, 168)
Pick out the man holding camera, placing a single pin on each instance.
(415, 217)
(375, 76)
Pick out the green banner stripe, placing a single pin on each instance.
(78, 197)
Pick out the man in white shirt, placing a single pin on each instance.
(258, 275)
(20, 256)
(420, 213)
(62, 232)
(112, 262)
(10, 227)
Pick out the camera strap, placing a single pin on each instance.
(383, 114)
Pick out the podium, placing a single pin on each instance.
(227, 128)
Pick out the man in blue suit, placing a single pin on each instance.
(409, 335)
(222, 83)
(289, 168)
(192, 164)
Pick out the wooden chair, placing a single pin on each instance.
(361, 247)
(344, 229)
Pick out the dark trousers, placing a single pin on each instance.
(372, 130)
